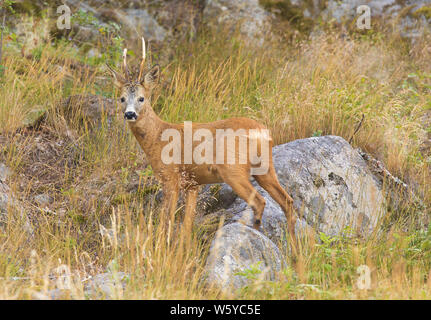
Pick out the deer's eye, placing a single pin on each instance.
(123, 99)
(141, 99)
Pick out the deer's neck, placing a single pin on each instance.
(147, 131)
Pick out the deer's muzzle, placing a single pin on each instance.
(130, 115)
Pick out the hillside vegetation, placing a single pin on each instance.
(96, 176)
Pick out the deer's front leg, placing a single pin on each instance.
(191, 194)
(190, 209)
(169, 206)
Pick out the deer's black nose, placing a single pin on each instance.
(130, 115)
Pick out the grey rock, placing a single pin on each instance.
(94, 53)
(11, 209)
(90, 108)
(4, 172)
(54, 294)
(347, 9)
(237, 248)
(134, 22)
(211, 207)
(208, 224)
(390, 8)
(86, 34)
(252, 20)
(35, 117)
(214, 197)
(108, 285)
(31, 35)
(42, 199)
(331, 185)
(138, 22)
(86, 6)
(410, 23)
(181, 18)
(4, 203)
(226, 196)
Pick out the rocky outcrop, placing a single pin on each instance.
(236, 251)
(330, 183)
(136, 23)
(409, 17)
(156, 20)
(252, 20)
(334, 192)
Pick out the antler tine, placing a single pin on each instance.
(141, 69)
(126, 69)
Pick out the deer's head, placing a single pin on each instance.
(135, 93)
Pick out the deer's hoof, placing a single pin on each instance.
(256, 224)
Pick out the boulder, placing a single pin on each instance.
(252, 20)
(240, 254)
(4, 172)
(109, 285)
(35, 117)
(54, 294)
(10, 207)
(31, 32)
(42, 199)
(90, 108)
(181, 18)
(331, 185)
(135, 23)
(214, 197)
(334, 192)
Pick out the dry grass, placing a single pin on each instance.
(97, 178)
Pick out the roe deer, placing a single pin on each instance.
(149, 130)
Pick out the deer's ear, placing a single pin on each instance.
(152, 77)
(119, 80)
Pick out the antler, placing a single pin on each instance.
(141, 69)
(126, 69)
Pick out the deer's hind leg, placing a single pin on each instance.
(270, 183)
(241, 185)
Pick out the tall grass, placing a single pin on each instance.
(97, 179)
